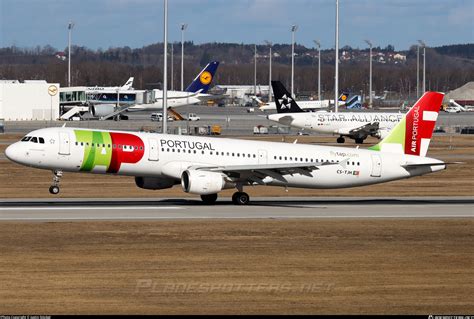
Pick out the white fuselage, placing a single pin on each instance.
(337, 123)
(175, 99)
(304, 105)
(168, 156)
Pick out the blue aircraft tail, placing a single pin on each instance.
(203, 80)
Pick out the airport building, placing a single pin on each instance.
(29, 100)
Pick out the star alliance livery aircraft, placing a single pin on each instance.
(205, 165)
(355, 125)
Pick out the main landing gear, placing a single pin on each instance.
(341, 140)
(359, 141)
(240, 198)
(54, 188)
(209, 199)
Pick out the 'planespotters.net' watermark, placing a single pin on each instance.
(151, 286)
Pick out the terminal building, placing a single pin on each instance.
(29, 100)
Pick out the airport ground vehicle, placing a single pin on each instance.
(158, 117)
(193, 117)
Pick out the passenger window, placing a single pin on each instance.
(34, 140)
(114, 146)
(141, 148)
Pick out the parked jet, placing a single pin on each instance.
(357, 126)
(205, 165)
(98, 89)
(194, 93)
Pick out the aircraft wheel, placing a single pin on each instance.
(359, 141)
(341, 140)
(209, 199)
(240, 198)
(54, 190)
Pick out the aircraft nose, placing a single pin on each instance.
(13, 153)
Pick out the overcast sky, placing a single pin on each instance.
(135, 23)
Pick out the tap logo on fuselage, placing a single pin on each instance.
(109, 150)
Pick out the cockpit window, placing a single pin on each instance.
(41, 140)
(34, 139)
(26, 139)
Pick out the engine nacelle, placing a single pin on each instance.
(382, 133)
(202, 182)
(99, 110)
(154, 182)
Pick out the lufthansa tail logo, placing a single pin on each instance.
(205, 78)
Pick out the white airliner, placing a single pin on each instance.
(355, 125)
(99, 89)
(305, 105)
(206, 165)
(195, 93)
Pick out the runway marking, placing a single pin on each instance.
(112, 218)
(91, 208)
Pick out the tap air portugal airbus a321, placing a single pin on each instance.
(205, 165)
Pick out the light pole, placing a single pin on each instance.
(424, 66)
(417, 71)
(370, 72)
(269, 71)
(183, 28)
(70, 26)
(165, 69)
(293, 30)
(336, 72)
(318, 44)
(255, 72)
(172, 67)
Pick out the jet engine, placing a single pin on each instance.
(202, 182)
(382, 133)
(99, 110)
(154, 182)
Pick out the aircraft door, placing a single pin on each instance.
(262, 157)
(64, 143)
(153, 149)
(376, 165)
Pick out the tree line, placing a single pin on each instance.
(448, 67)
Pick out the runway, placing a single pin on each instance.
(260, 208)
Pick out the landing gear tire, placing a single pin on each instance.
(240, 198)
(359, 141)
(209, 199)
(341, 140)
(54, 190)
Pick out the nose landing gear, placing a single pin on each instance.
(54, 188)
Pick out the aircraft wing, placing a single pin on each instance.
(364, 130)
(206, 97)
(255, 173)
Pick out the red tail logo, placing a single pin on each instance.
(420, 122)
